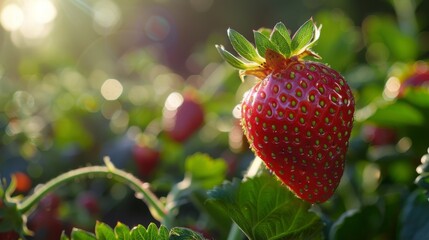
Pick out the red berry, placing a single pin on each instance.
(44, 221)
(23, 182)
(299, 117)
(11, 235)
(183, 115)
(89, 201)
(418, 77)
(50, 203)
(146, 159)
(378, 136)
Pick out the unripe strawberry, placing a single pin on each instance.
(23, 182)
(299, 116)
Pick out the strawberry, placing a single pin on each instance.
(146, 156)
(182, 116)
(89, 202)
(378, 136)
(299, 115)
(23, 182)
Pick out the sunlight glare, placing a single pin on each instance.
(107, 15)
(28, 20)
(12, 17)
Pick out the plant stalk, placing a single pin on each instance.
(109, 172)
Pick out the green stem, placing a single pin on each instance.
(235, 233)
(110, 172)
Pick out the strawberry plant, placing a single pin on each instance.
(322, 138)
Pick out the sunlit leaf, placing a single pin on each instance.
(232, 60)
(151, 233)
(78, 234)
(104, 232)
(265, 209)
(243, 47)
(302, 36)
(281, 28)
(263, 43)
(122, 231)
(282, 44)
(205, 171)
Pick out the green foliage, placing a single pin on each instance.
(423, 170)
(369, 218)
(397, 114)
(281, 37)
(139, 232)
(339, 36)
(243, 47)
(414, 217)
(277, 39)
(202, 170)
(263, 43)
(385, 34)
(264, 209)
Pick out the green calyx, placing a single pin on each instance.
(277, 40)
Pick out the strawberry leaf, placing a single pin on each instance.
(122, 231)
(103, 231)
(78, 234)
(263, 43)
(368, 217)
(281, 28)
(265, 209)
(205, 171)
(232, 60)
(302, 37)
(151, 233)
(281, 42)
(179, 233)
(414, 217)
(243, 47)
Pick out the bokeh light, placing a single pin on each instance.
(28, 20)
(12, 17)
(107, 16)
(111, 89)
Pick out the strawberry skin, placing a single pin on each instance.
(298, 121)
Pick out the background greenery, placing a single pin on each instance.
(55, 114)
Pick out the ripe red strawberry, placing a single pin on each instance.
(183, 115)
(146, 159)
(378, 136)
(299, 116)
